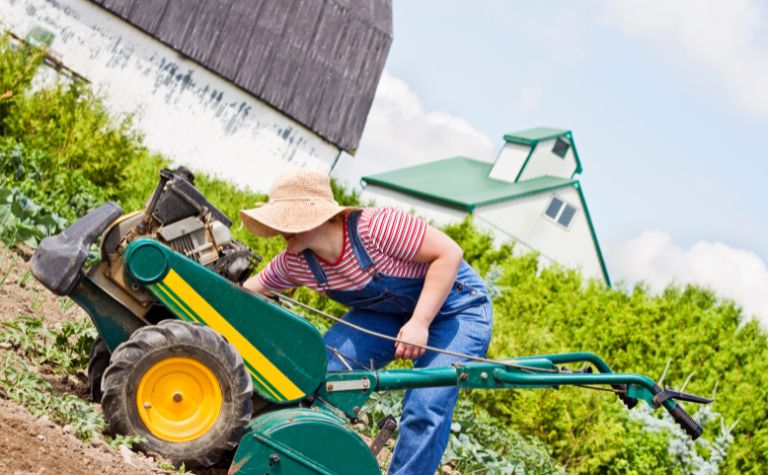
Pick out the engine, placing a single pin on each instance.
(180, 217)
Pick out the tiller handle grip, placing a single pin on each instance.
(691, 427)
(667, 395)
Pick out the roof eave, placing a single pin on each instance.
(511, 138)
(603, 267)
(468, 207)
(536, 191)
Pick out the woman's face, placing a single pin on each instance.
(298, 242)
(317, 238)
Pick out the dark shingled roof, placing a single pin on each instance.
(318, 61)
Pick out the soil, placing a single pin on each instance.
(35, 445)
(22, 295)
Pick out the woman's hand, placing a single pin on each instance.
(444, 257)
(413, 332)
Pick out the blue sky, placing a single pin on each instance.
(668, 106)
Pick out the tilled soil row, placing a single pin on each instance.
(36, 445)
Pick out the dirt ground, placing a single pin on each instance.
(34, 445)
(21, 294)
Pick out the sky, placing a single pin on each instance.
(667, 101)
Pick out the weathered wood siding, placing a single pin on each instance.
(187, 112)
(318, 61)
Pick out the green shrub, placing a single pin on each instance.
(34, 174)
(72, 127)
(18, 65)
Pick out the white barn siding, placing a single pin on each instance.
(186, 112)
(523, 220)
(508, 163)
(545, 163)
(439, 215)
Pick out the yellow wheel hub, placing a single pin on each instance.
(179, 399)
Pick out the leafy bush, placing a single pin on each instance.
(552, 310)
(22, 221)
(34, 174)
(71, 127)
(18, 65)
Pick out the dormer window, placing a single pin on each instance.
(560, 148)
(560, 212)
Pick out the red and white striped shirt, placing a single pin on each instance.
(390, 236)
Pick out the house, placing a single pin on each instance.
(246, 87)
(529, 195)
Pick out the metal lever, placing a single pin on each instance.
(387, 426)
(668, 393)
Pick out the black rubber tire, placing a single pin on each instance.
(97, 364)
(173, 338)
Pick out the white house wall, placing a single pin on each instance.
(191, 115)
(543, 162)
(523, 220)
(509, 162)
(439, 215)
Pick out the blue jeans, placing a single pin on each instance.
(426, 422)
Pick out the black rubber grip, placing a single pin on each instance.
(630, 402)
(691, 427)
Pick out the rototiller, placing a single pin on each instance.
(200, 367)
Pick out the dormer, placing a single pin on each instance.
(535, 153)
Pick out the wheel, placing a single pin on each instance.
(182, 387)
(97, 364)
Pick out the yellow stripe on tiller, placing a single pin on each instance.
(249, 352)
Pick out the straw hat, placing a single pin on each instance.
(299, 200)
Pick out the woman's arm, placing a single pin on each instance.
(254, 285)
(272, 278)
(444, 257)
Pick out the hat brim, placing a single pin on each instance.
(271, 219)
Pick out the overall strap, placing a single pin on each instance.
(361, 255)
(314, 266)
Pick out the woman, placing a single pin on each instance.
(399, 276)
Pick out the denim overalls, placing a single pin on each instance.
(462, 325)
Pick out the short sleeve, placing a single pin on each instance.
(396, 233)
(275, 275)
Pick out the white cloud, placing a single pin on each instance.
(655, 258)
(400, 133)
(530, 96)
(720, 43)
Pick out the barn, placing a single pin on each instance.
(529, 195)
(249, 87)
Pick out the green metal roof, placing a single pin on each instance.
(461, 182)
(532, 137)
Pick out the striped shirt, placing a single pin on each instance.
(390, 236)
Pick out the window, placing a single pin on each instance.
(567, 215)
(561, 148)
(554, 208)
(560, 212)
